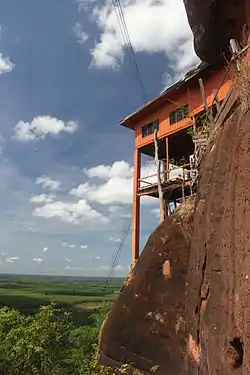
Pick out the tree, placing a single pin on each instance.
(49, 344)
(35, 345)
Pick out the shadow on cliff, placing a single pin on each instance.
(146, 326)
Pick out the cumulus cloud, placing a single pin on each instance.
(117, 169)
(41, 127)
(98, 258)
(72, 246)
(117, 186)
(70, 212)
(42, 198)
(6, 66)
(48, 183)
(11, 259)
(154, 27)
(38, 260)
(84, 247)
(115, 190)
(81, 35)
(45, 249)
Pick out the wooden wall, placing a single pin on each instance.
(190, 94)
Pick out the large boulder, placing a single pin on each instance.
(214, 23)
(147, 323)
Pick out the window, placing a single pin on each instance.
(149, 128)
(179, 114)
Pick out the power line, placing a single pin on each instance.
(118, 253)
(125, 34)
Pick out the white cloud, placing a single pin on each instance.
(98, 258)
(84, 247)
(72, 246)
(117, 187)
(42, 126)
(81, 35)
(48, 183)
(107, 268)
(115, 190)
(117, 169)
(114, 239)
(45, 249)
(67, 260)
(70, 212)
(6, 66)
(11, 259)
(154, 27)
(64, 244)
(38, 260)
(42, 198)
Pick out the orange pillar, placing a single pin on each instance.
(136, 208)
(167, 174)
(167, 161)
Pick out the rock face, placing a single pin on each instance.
(147, 323)
(187, 308)
(218, 282)
(214, 23)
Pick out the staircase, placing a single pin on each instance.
(200, 145)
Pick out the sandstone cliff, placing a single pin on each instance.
(218, 281)
(194, 318)
(147, 323)
(214, 22)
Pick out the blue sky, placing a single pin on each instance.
(66, 164)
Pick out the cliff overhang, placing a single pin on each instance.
(214, 23)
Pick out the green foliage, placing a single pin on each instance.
(49, 344)
(34, 345)
(50, 340)
(190, 131)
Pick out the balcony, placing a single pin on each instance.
(175, 182)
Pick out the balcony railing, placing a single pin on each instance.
(173, 174)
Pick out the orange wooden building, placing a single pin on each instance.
(171, 113)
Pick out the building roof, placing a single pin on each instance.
(130, 120)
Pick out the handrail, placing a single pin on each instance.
(152, 175)
(166, 171)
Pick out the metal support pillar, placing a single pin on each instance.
(136, 208)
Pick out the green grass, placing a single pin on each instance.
(80, 296)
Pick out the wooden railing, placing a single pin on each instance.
(166, 176)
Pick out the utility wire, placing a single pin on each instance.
(125, 34)
(137, 70)
(118, 253)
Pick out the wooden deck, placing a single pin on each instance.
(168, 186)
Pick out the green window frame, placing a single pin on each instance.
(149, 128)
(179, 114)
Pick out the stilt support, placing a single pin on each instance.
(136, 208)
